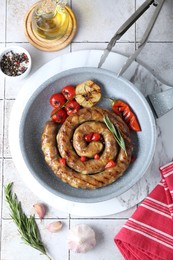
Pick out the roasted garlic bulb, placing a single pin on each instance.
(88, 93)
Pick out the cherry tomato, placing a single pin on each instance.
(57, 100)
(95, 137)
(88, 137)
(72, 107)
(62, 161)
(59, 116)
(124, 110)
(96, 156)
(83, 158)
(68, 92)
(110, 164)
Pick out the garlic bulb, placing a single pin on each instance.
(55, 226)
(40, 209)
(81, 238)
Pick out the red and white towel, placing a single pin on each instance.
(148, 234)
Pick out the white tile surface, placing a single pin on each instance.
(39, 58)
(105, 247)
(14, 249)
(97, 22)
(8, 107)
(24, 194)
(1, 76)
(123, 48)
(2, 20)
(1, 126)
(15, 20)
(0, 187)
(157, 58)
(162, 30)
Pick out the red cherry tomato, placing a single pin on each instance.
(62, 161)
(110, 164)
(57, 100)
(68, 92)
(59, 116)
(72, 107)
(96, 156)
(95, 137)
(88, 137)
(83, 158)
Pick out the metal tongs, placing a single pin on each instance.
(133, 18)
(161, 102)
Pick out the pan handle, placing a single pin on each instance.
(161, 103)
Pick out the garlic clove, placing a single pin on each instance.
(40, 209)
(55, 226)
(81, 238)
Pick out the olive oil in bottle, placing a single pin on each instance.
(50, 20)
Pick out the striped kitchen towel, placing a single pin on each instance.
(148, 233)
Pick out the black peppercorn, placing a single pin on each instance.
(14, 64)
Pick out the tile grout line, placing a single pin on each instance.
(69, 226)
(101, 42)
(135, 28)
(3, 133)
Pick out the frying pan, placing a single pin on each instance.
(31, 110)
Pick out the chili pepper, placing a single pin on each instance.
(110, 164)
(83, 158)
(88, 137)
(134, 125)
(123, 109)
(95, 137)
(96, 156)
(62, 161)
(133, 158)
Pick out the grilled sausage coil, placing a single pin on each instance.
(69, 143)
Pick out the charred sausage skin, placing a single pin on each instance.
(69, 143)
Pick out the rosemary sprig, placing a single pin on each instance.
(27, 226)
(116, 133)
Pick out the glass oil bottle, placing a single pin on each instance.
(50, 19)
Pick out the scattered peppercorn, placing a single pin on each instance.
(14, 64)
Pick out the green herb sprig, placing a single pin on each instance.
(27, 226)
(116, 133)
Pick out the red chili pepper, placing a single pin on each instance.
(88, 137)
(95, 137)
(96, 156)
(133, 158)
(83, 158)
(134, 125)
(62, 161)
(122, 109)
(110, 164)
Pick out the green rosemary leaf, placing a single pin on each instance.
(115, 131)
(27, 226)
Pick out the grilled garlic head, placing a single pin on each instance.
(81, 238)
(88, 93)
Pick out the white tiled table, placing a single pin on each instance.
(97, 22)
